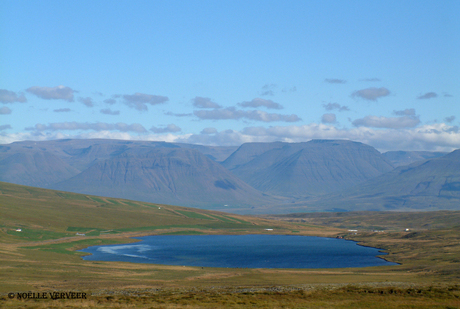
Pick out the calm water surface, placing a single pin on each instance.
(245, 251)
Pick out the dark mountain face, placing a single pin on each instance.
(306, 169)
(400, 158)
(165, 175)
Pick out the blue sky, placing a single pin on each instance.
(386, 73)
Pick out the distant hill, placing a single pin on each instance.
(303, 170)
(33, 167)
(399, 158)
(47, 162)
(318, 175)
(177, 176)
(428, 185)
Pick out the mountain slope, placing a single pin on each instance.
(176, 176)
(47, 162)
(308, 169)
(400, 158)
(33, 167)
(429, 185)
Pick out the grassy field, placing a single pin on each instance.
(42, 257)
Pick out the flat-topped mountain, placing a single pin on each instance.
(176, 176)
(47, 162)
(306, 169)
(256, 177)
(33, 167)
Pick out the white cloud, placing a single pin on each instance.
(204, 103)
(258, 102)
(335, 106)
(86, 101)
(438, 137)
(110, 101)
(5, 127)
(449, 119)
(335, 81)
(209, 131)
(434, 137)
(406, 112)
(7, 96)
(108, 111)
(178, 114)
(233, 113)
(139, 101)
(268, 89)
(170, 128)
(5, 110)
(328, 118)
(372, 93)
(62, 110)
(428, 95)
(387, 122)
(96, 126)
(53, 93)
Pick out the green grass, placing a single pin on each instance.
(184, 233)
(224, 219)
(71, 247)
(96, 199)
(114, 202)
(194, 215)
(73, 196)
(35, 234)
(43, 257)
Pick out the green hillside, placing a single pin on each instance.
(43, 214)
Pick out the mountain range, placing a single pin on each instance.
(302, 170)
(254, 178)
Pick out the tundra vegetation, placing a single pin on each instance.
(42, 257)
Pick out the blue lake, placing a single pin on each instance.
(244, 251)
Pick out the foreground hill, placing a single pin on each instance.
(175, 176)
(42, 257)
(306, 169)
(44, 214)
